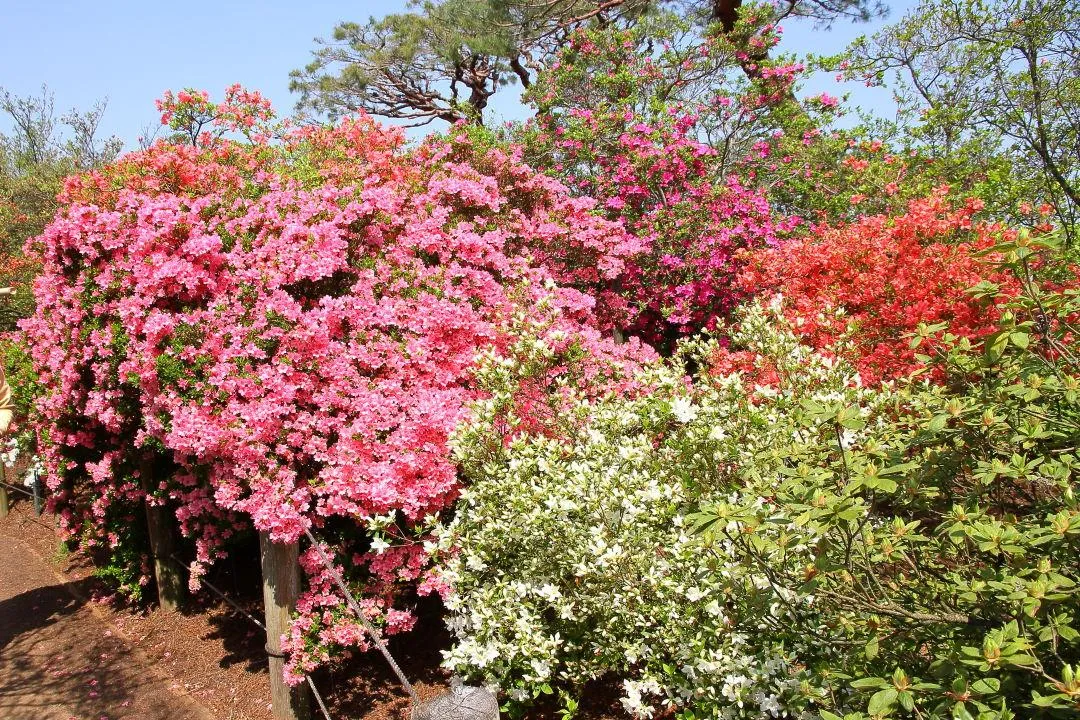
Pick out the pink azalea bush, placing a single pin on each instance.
(637, 129)
(279, 335)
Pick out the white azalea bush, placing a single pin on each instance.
(572, 555)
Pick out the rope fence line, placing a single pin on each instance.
(17, 488)
(374, 634)
(318, 697)
(223, 596)
(25, 517)
(236, 606)
(38, 488)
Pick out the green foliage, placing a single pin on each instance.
(19, 370)
(122, 565)
(939, 533)
(35, 157)
(445, 59)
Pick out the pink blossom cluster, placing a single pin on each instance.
(658, 179)
(655, 135)
(272, 335)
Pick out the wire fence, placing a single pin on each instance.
(237, 607)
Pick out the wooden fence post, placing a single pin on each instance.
(281, 588)
(170, 586)
(4, 507)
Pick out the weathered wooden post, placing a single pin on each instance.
(39, 500)
(170, 586)
(281, 588)
(4, 508)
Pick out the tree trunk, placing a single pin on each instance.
(726, 12)
(170, 587)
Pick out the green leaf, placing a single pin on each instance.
(1020, 339)
(871, 682)
(937, 424)
(871, 649)
(883, 701)
(1044, 700)
(995, 346)
(1067, 633)
(850, 418)
(960, 712)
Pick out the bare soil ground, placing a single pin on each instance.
(61, 656)
(69, 649)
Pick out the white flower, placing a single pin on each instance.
(549, 592)
(379, 545)
(541, 668)
(847, 439)
(632, 701)
(768, 704)
(694, 594)
(713, 608)
(683, 410)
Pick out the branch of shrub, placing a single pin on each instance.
(899, 612)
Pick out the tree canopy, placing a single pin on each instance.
(445, 59)
(991, 80)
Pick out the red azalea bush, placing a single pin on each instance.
(887, 275)
(277, 334)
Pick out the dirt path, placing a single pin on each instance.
(69, 651)
(60, 656)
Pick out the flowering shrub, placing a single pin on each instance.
(634, 118)
(272, 335)
(689, 229)
(810, 547)
(571, 558)
(879, 277)
(934, 540)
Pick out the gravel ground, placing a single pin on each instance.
(69, 649)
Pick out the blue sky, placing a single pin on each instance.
(130, 52)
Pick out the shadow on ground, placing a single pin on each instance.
(54, 663)
(59, 658)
